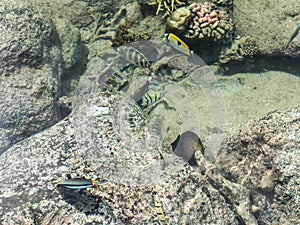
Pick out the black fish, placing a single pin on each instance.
(186, 145)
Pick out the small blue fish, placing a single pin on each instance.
(79, 183)
(294, 34)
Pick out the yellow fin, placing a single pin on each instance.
(178, 44)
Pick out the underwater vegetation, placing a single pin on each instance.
(242, 48)
(129, 32)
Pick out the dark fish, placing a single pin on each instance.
(294, 34)
(134, 56)
(186, 145)
(240, 81)
(79, 183)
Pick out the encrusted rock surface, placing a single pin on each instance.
(264, 157)
(242, 48)
(30, 70)
(88, 144)
(254, 180)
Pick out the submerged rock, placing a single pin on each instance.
(30, 67)
(179, 20)
(93, 142)
(264, 157)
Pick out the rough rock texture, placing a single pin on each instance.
(264, 157)
(271, 23)
(41, 59)
(73, 51)
(93, 142)
(30, 62)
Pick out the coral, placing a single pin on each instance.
(179, 20)
(169, 5)
(242, 47)
(209, 23)
(129, 32)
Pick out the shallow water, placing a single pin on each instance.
(102, 143)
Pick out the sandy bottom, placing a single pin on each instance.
(223, 105)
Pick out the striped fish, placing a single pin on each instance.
(112, 79)
(134, 56)
(152, 97)
(116, 82)
(160, 211)
(79, 183)
(136, 118)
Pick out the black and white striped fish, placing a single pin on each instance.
(160, 211)
(153, 95)
(134, 56)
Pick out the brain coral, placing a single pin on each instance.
(179, 20)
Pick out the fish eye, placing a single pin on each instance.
(178, 42)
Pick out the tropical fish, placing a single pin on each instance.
(79, 183)
(136, 118)
(178, 44)
(151, 97)
(294, 34)
(116, 82)
(160, 211)
(134, 56)
(186, 145)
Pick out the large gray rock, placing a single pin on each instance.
(264, 157)
(30, 63)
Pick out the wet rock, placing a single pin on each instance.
(30, 63)
(264, 157)
(73, 51)
(96, 141)
(242, 48)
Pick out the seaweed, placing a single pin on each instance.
(129, 32)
